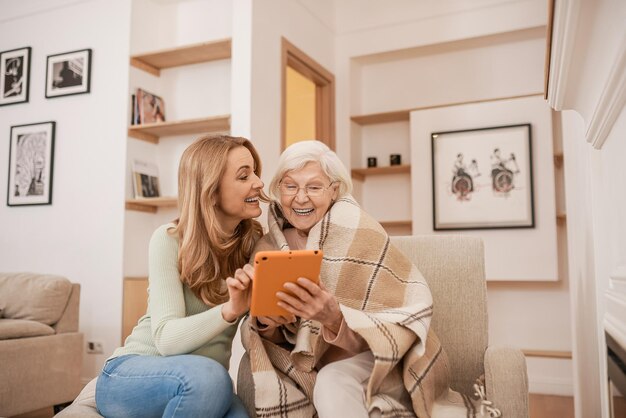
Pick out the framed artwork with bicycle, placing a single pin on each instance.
(482, 178)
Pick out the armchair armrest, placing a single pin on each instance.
(506, 381)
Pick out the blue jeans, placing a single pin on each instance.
(174, 386)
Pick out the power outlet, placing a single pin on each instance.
(94, 347)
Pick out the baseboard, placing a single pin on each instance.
(551, 386)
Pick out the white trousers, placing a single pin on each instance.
(340, 388)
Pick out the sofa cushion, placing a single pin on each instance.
(21, 328)
(36, 297)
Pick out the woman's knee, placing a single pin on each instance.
(331, 382)
(208, 376)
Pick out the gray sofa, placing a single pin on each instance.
(40, 346)
(454, 267)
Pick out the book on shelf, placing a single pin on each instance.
(145, 180)
(134, 114)
(149, 108)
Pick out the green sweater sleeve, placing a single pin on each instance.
(173, 331)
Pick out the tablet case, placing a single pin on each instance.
(272, 269)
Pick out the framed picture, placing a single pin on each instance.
(14, 76)
(31, 158)
(145, 179)
(68, 73)
(482, 178)
(150, 107)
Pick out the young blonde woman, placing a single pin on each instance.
(174, 363)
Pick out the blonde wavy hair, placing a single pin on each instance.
(207, 254)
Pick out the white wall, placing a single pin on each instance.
(273, 19)
(587, 68)
(80, 235)
(414, 55)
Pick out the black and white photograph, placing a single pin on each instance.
(482, 178)
(31, 158)
(68, 73)
(15, 76)
(145, 179)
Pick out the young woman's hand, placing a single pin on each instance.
(311, 301)
(239, 291)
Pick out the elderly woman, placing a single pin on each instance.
(356, 344)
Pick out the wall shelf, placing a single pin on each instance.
(386, 117)
(548, 354)
(151, 204)
(154, 62)
(151, 132)
(404, 115)
(396, 224)
(360, 173)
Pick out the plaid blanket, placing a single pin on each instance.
(383, 297)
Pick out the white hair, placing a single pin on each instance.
(299, 154)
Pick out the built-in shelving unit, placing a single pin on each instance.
(151, 132)
(154, 62)
(151, 204)
(361, 173)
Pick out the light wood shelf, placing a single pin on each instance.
(151, 204)
(547, 353)
(154, 62)
(398, 116)
(151, 132)
(404, 114)
(396, 224)
(360, 173)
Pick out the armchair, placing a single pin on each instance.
(454, 269)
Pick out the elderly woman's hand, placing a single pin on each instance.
(311, 301)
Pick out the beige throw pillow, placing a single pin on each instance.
(35, 297)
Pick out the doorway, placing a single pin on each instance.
(308, 99)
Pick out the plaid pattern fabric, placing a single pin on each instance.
(383, 297)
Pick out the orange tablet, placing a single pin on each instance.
(272, 269)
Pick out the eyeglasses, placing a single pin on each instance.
(313, 190)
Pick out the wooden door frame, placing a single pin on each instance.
(324, 81)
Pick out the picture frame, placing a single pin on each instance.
(145, 177)
(14, 76)
(31, 164)
(68, 73)
(482, 178)
(150, 107)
